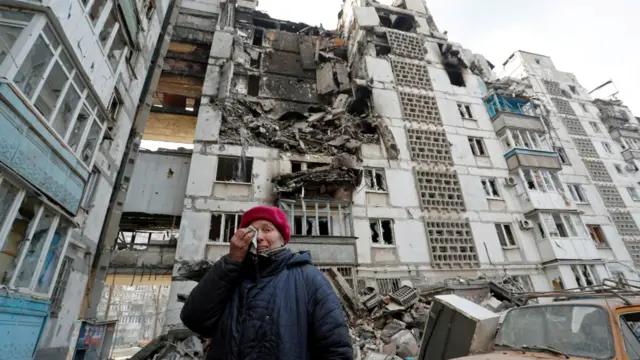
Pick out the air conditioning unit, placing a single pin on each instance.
(526, 224)
(510, 181)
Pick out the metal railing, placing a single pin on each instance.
(319, 217)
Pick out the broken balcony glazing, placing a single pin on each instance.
(319, 217)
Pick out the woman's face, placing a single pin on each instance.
(268, 235)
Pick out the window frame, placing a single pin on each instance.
(619, 169)
(607, 147)
(381, 243)
(32, 32)
(511, 242)
(562, 155)
(237, 158)
(465, 111)
(5, 227)
(486, 185)
(596, 127)
(633, 193)
(223, 221)
(543, 180)
(578, 194)
(593, 230)
(477, 144)
(373, 171)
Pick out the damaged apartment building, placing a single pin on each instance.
(72, 74)
(398, 156)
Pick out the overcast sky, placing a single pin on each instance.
(594, 39)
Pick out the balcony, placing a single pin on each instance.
(563, 236)
(542, 190)
(621, 132)
(631, 154)
(512, 113)
(528, 149)
(324, 228)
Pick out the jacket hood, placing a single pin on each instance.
(299, 259)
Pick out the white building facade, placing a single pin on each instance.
(482, 181)
(71, 74)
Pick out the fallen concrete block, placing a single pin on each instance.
(367, 17)
(405, 296)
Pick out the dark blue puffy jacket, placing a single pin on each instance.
(269, 309)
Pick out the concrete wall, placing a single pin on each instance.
(128, 82)
(158, 184)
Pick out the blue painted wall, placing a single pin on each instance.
(495, 103)
(22, 319)
(29, 149)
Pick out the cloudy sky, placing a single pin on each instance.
(594, 39)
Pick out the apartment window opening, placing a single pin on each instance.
(381, 231)
(597, 235)
(90, 190)
(564, 159)
(455, 76)
(118, 48)
(60, 287)
(254, 85)
(114, 105)
(607, 147)
(235, 169)
(505, 235)
(465, 111)
(633, 192)
(562, 230)
(223, 226)
(258, 36)
(595, 126)
(577, 193)
(619, 169)
(477, 146)
(491, 187)
(96, 9)
(375, 180)
(313, 226)
(574, 90)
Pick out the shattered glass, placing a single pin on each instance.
(572, 330)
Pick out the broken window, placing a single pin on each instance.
(633, 192)
(107, 29)
(90, 190)
(313, 226)
(236, 169)
(381, 231)
(607, 147)
(576, 274)
(619, 169)
(465, 111)
(477, 146)
(564, 159)
(375, 179)
(577, 193)
(11, 25)
(223, 226)
(490, 186)
(505, 235)
(114, 105)
(455, 76)
(254, 85)
(594, 126)
(597, 235)
(96, 10)
(403, 23)
(258, 35)
(574, 90)
(118, 48)
(33, 69)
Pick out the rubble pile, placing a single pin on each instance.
(343, 173)
(326, 130)
(393, 324)
(179, 344)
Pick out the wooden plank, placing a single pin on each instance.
(189, 86)
(181, 47)
(170, 127)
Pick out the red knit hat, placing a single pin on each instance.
(272, 214)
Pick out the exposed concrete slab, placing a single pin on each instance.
(282, 40)
(225, 80)
(194, 233)
(285, 63)
(416, 5)
(201, 175)
(286, 88)
(221, 45)
(209, 122)
(379, 69)
(387, 103)
(367, 17)
(324, 79)
(211, 84)
(308, 52)
(423, 26)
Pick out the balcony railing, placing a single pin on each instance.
(319, 217)
(497, 104)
